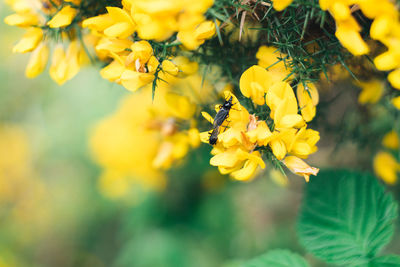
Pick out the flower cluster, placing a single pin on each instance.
(44, 21)
(384, 28)
(244, 136)
(133, 62)
(144, 137)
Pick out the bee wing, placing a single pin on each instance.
(220, 117)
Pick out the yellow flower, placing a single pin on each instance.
(396, 102)
(185, 66)
(372, 91)
(391, 140)
(25, 19)
(299, 167)
(65, 66)
(254, 83)
(38, 61)
(280, 5)
(283, 104)
(386, 167)
(169, 67)
(269, 57)
(196, 36)
(133, 146)
(29, 41)
(98, 23)
(63, 18)
(394, 78)
(308, 99)
(351, 39)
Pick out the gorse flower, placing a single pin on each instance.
(35, 16)
(243, 137)
(162, 130)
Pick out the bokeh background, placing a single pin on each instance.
(52, 212)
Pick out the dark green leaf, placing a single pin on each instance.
(277, 258)
(346, 217)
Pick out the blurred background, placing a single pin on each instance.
(53, 213)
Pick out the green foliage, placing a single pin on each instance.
(277, 258)
(346, 218)
(386, 261)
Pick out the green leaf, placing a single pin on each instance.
(277, 258)
(386, 261)
(346, 217)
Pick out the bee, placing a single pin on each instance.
(221, 116)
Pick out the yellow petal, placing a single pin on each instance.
(112, 71)
(396, 102)
(247, 172)
(308, 98)
(394, 78)
(278, 148)
(391, 140)
(119, 30)
(133, 80)
(22, 19)
(29, 41)
(225, 159)
(254, 83)
(38, 61)
(169, 67)
(98, 23)
(351, 39)
(180, 106)
(386, 61)
(299, 167)
(207, 117)
(386, 167)
(280, 5)
(63, 17)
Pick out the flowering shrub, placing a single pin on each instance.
(257, 83)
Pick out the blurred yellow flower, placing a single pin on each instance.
(386, 167)
(135, 147)
(37, 61)
(63, 17)
(372, 91)
(29, 41)
(280, 5)
(391, 140)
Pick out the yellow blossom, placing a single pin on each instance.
(254, 83)
(299, 167)
(38, 61)
(283, 104)
(122, 24)
(394, 78)
(29, 41)
(396, 102)
(386, 167)
(63, 17)
(280, 5)
(372, 91)
(22, 19)
(193, 38)
(308, 99)
(269, 57)
(391, 140)
(169, 67)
